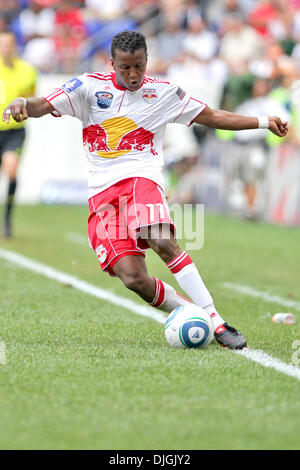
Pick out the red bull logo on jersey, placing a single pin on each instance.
(117, 136)
(150, 95)
(101, 253)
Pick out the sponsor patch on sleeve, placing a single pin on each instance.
(180, 93)
(71, 85)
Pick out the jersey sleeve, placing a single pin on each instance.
(181, 107)
(69, 99)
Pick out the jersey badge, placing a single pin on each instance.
(101, 253)
(72, 85)
(150, 95)
(180, 93)
(104, 99)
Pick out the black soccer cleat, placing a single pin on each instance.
(229, 337)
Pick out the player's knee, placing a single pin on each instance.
(166, 249)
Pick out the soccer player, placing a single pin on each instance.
(16, 78)
(124, 114)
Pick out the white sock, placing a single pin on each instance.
(166, 298)
(214, 315)
(189, 279)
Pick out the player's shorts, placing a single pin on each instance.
(119, 218)
(12, 140)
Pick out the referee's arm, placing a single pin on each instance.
(21, 109)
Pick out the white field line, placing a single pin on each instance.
(83, 286)
(251, 292)
(266, 360)
(258, 356)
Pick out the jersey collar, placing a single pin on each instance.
(119, 87)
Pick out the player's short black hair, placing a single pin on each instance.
(128, 41)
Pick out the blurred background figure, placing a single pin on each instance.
(69, 33)
(240, 43)
(36, 27)
(199, 41)
(17, 78)
(248, 162)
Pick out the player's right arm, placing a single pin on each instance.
(35, 107)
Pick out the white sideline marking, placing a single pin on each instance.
(258, 356)
(266, 360)
(83, 286)
(247, 290)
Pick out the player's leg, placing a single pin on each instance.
(190, 280)
(132, 271)
(12, 143)
(118, 253)
(10, 162)
(162, 241)
(155, 229)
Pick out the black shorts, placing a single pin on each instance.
(12, 140)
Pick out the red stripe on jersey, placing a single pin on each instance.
(157, 81)
(154, 80)
(60, 92)
(197, 100)
(205, 105)
(44, 98)
(102, 74)
(99, 78)
(71, 104)
(54, 94)
(121, 101)
(56, 90)
(182, 110)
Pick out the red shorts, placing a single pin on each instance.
(118, 213)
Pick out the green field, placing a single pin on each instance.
(83, 373)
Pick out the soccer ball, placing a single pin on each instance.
(189, 326)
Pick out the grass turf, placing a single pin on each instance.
(84, 374)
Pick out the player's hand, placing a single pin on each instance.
(17, 110)
(277, 126)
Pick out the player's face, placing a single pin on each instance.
(130, 68)
(7, 45)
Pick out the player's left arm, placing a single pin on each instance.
(220, 119)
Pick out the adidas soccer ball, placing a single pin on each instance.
(189, 326)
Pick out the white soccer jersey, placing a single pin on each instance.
(123, 130)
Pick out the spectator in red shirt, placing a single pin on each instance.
(263, 13)
(69, 35)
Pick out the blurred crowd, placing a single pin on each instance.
(230, 37)
(248, 49)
